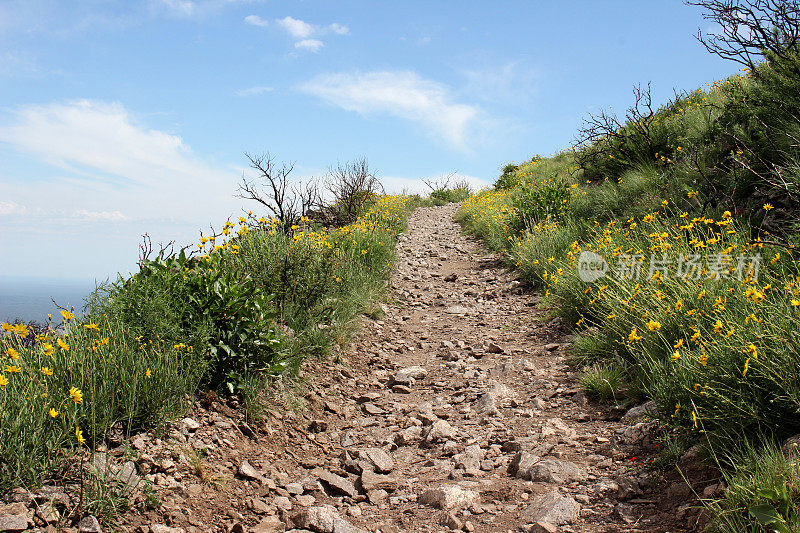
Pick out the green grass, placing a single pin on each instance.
(602, 382)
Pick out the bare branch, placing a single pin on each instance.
(749, 29)
(272, 188)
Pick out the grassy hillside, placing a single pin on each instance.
(690, 211)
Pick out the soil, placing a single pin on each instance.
(451, 409)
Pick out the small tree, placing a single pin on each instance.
(286, 201)
(351, 184)
(605, 142)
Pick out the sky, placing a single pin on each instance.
(119, 118)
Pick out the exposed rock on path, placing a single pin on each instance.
(452, 410)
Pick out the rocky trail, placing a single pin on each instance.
(453, 410)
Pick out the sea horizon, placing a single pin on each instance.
(31, 298)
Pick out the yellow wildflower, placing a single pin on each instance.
(652, 325)
(632, 336)
(47, 371)
(79, 436)
(63, 345)
(53, 413)
(753, 351)
(76, 395)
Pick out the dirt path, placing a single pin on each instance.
(455, 410)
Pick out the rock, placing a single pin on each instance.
(378, 459)
(552, 507)
(489, 401)
(306, 500)
(106, 468)
(408, 436)
(640, 413)
(48, 513)
(376, 497)
(89, 524)
(440, 431)
(493, 348)
(371, 481)
(449, 497)
(247, 471)
(336, 483)
(628, 488)
(486, 405)
(407, 376)
(14, 517)
(324, 519)
(520, 465)
(555, 471)
(539, 527)
(294, 488)
(282, 502)
(161, 528)
(628, 513)
(451, 521)
(271, 524)
(552, 346)
(371, 409)
(318, 426)
(190, 424)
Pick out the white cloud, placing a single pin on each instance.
(512, 81)
(99, 216)
(307, 35)
(254, 91)
(193, 8)
(11, 208)
(296, 28)
(97, 136)
(312, 45)
(114, 179)
(403, 94)
(339, 29)
(255, 20)
(181, 8)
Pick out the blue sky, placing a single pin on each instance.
(120, 118)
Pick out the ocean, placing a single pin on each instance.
(27, 298)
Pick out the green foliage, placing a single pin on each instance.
(762, 493)
(602, 382)
(96, 379)
(450, 195)
(539, 202)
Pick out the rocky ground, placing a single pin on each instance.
(453, 410)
